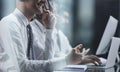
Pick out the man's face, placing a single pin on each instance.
(35, 5)
(40, 5)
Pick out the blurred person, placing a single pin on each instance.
(49, 42)
(17, 24)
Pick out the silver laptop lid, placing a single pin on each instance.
(107, 35)
(112, 55)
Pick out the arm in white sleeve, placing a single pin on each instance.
(65, 46)
(49, 44)
(8, 60)
(42, 41)
(62, 43)
(3, 58)
(32, 65)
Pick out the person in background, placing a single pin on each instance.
(17, 24)
(48, 42)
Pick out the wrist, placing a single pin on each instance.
(67, 59)
(50, 25)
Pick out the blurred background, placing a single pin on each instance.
(82, 21)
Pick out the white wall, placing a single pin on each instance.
(8, 7)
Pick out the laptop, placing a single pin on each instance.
(73, 68)
(110, 70)
(107, 35)
(112, 55)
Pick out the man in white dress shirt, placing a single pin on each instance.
(16, 24)
(46, 37)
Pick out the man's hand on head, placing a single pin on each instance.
(46, 17)
(83, 57)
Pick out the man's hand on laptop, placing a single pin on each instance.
(87, 58)
(90, 59)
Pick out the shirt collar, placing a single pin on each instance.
(43, 29)
(21, 16)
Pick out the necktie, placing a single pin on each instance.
(30, 50)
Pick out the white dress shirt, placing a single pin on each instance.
(42, 41)
(16, 23)
(48, 39)
(8, 59)
(61, 44)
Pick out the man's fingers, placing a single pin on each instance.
(88, 50)
(95, 63)
(45, 11)
(85, 51)
(96, 59)
(79, 46)
(46, 15)
(74, 50)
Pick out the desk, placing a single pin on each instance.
(112, 69)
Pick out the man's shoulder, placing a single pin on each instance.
(10, 20)
(11, 23)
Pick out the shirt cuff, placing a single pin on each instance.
(49, 33)
(58, 63)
